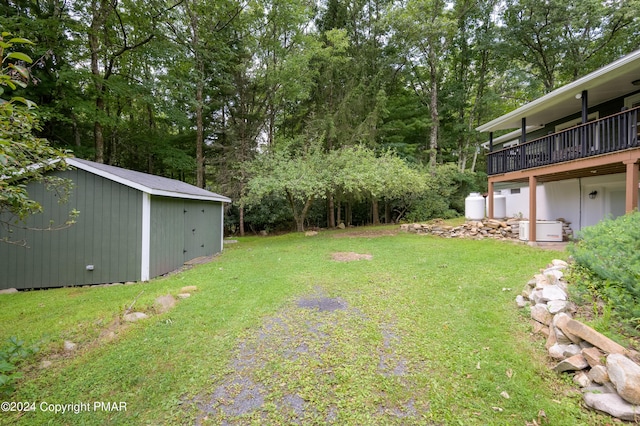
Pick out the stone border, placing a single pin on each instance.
(607, 372)
(508, 229)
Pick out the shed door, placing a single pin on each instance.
(194, 232)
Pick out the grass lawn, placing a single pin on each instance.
(425, 332)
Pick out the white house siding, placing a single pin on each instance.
(569, 199)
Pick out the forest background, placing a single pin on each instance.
(315, 112)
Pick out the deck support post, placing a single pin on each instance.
(490, 198)
(631, 202)
(533, 184)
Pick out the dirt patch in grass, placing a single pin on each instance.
(350, 256)
(310, 364)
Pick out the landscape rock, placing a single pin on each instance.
(599, 374)
(613, 405)
(582, 379)
(574, 363)
(561, 338)
(521, 302)
(536, 297)
(556, 306)
(184, 295)
(540, 313)
(553, 275)
(604, 388)
(541, 281)
(551, 340)
(69, 346)
(593, 356)
(9, 291)
(559, 262)
(576, 328)
(553, 292)
(562, 352)
(135, 316)
(625, 375)
(164, 303)
(45, 364)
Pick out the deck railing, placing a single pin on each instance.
(613, 133)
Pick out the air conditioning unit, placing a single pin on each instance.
(546, 230)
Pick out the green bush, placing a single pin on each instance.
(444, 198)
(610, 250)
(10, 356)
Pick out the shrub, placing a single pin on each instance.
(610, 250)
(10, 356)
(444, 198)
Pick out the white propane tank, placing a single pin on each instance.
(474, 206)
(499, 205)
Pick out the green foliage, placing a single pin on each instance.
(610, 251)
(444, 198)
(271, 214)
(355, 173)
(11, 356)
(24, 157)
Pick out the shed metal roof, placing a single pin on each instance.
(151, 184)
(607, 83)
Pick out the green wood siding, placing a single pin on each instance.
(182, 230)
(107, 235)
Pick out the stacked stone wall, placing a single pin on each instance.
(607, 372)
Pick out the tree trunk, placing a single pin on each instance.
(199, 133)
(433, 106)
(375, 211)
(241, 220)
(99, 141)
(98, 18)
(387, 212)
(195, 47)
(331, 214)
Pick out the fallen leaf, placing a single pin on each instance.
(509, 373)
(498, 409)
(542, 415)
(478, 366)
(504, 394)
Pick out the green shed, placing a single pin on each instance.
(132, 226)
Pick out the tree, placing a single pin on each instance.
(301, 179)
(24, 158)
(424, 30)
(351, 173)
(557, 41)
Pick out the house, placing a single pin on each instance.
(132, 226)
(574, 152)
